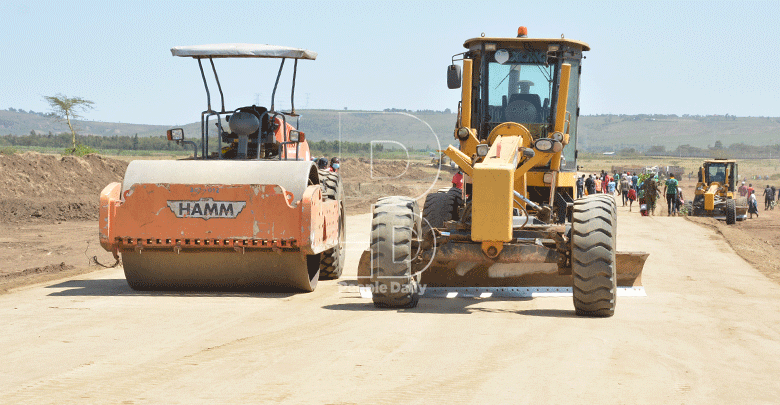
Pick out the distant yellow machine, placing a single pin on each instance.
(515, 228)
(715, 192)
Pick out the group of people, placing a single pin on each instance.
(596, 183)
(750, 193)
(323, 164)
(630, 188)
(769, 197)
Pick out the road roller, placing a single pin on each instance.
(515, 228)
(248, 210)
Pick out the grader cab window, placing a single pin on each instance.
(717, 173)
(520, 88)
(521, 85)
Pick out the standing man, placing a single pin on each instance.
(635, 180)
(651, 194)
(457, 180)
(624, 187)
(768, 195)
(580, 185)
(670, 189)
(590, 185)
(742, 190)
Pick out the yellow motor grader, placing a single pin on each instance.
(515, 229)
(714, 195)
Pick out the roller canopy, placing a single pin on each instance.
(242, 51)
(293, 176)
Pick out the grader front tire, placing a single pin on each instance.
(396, 222)
(731, 212)
(593, 257)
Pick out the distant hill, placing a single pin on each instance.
(615, 132)
(597, 133)
(21, 123)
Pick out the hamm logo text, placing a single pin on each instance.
(206, 208)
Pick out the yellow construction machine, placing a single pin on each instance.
(715, 190)
(515, 229)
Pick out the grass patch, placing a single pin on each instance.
(8, 150)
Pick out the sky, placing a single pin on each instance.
(646, 57)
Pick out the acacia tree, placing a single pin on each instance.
(68, 108)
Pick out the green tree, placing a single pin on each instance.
(68, 108)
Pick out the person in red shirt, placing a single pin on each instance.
(334, 164)
(742, 190)
(750, 190)
(457, 180)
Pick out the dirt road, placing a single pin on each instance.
(708, 332)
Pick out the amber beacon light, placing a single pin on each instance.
(522, 32)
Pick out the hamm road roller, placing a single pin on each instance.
(248, 210)
(515, 229)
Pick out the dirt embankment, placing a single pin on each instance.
(366, 181)
(38, 187)
(49, 207)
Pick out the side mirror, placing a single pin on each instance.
(176, 134)
(297, 136)
(454, 76)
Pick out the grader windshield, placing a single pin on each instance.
(519, 90)
(521, 85)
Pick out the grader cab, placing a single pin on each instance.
(515, 228)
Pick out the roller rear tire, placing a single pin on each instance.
(441, 207)
(332, 260)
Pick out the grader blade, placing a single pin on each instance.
(519, 279)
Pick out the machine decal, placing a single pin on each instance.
(206, 208)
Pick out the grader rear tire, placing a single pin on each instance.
(441, 207)
(731, 211)
(594, 275)
(332, 260)
(396, 222)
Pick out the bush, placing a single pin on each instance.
(8, 150)
(81, 150)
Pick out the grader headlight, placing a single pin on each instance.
(544, 145)
(482, 149)
(463, 133)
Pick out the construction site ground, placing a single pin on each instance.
(708, 330)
